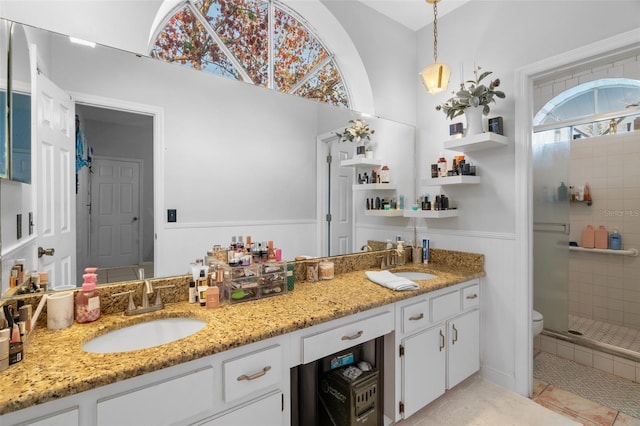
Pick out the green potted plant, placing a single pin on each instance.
(472, 95)
(358, 132)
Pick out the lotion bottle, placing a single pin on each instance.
(88, 300)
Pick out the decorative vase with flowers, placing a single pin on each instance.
(473, 101)
(358, 132)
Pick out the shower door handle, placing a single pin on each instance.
(553, 227)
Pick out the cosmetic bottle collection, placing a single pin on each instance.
(459, 167)
(245, 270)
(382, 175)
(15, 327)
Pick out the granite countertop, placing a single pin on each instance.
(55, 365)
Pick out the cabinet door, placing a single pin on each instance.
(266, 412)
(464, 347)
(423, 369)
(168, 402)
(65, 418)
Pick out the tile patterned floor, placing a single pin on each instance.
(584, 394)
(611, 334)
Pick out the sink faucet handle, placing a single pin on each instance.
(132, 306)
(158, 301)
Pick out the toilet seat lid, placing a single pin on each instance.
(536, 316)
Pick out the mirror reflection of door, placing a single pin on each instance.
(115, 193)
(55, 182)
(335, 197)
(115, 212)
(341, 195)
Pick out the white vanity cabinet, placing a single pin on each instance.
(250, 382)
(436, 346)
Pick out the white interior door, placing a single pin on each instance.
(115, 212)
(54, 177)
(341, 195)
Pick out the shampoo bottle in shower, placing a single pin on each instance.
(601, 238)
(615, 240)
(588, 237)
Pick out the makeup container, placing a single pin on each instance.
(15, 352)
(325, 270)
(213, 297)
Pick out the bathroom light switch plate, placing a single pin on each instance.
(172, 215)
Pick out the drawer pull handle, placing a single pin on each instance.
(455, 334)
(417, 317)
(441, 341)
(255, 375)
(354, 337)
(472, 296)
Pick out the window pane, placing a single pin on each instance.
(616, 98)
(578, 106)
(326, 86)
(243, 27)
(296, 51)
(184, 41)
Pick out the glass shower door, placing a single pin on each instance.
(551, 155)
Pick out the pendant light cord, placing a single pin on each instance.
(435, 31)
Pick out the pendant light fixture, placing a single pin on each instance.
(436, 76)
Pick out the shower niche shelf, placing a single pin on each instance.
(627, 252)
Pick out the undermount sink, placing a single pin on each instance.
(413, 275)
(144, 335)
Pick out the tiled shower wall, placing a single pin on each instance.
(603, 287)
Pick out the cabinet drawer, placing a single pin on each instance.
(470, 296)
(250, 373)
(444, 306)
(415, 316)
(345, 336)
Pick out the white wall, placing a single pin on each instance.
(501, 36)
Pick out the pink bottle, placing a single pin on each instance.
(601, 238)
(88, 300)
(588, 237)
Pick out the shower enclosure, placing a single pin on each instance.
(588, 297)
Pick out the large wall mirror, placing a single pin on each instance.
(230, 158)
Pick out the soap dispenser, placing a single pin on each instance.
(615, 240)
(88, 300)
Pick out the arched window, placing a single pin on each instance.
(592, 99)
(256, 41)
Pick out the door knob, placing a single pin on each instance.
(135, 218)
(45, 252)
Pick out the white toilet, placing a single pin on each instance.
(537, 323)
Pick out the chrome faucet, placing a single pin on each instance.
(147, 289)
(366, 248)
(388, 259)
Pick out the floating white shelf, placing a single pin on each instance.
(452, 180)
(477, 142)
(370, 186)
(383, 213)
(431, 214)
(360, 161)
(628, 252)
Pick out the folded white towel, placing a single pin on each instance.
(394, 282)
